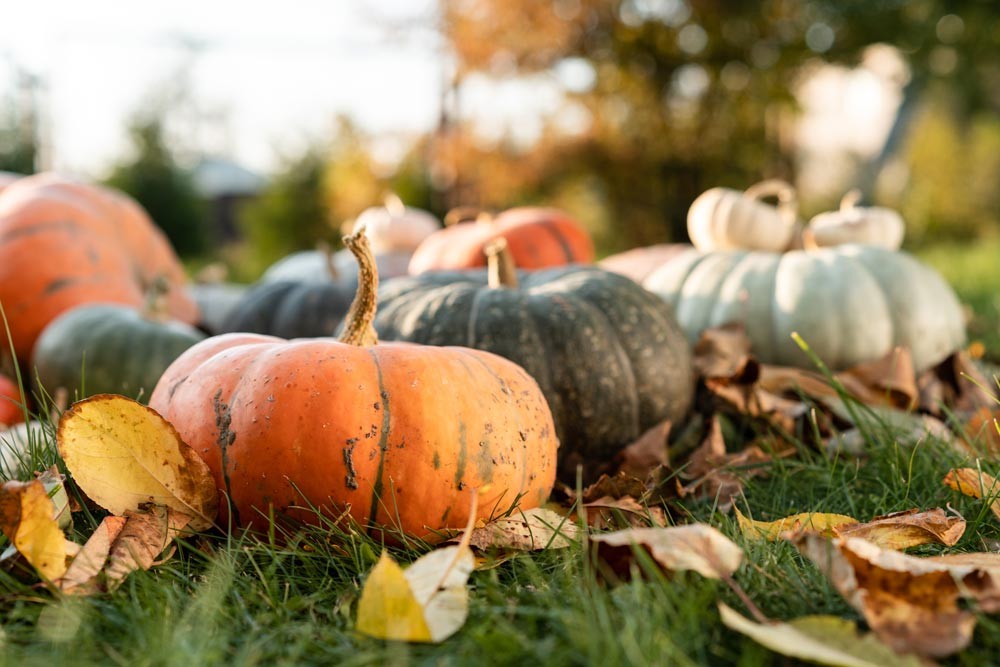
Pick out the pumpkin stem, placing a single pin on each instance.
(850, 200)
(501, 269)
(394, 204)
(358, 325)
(331, 266)
(788, 200)
(154, 306)
(461, 214)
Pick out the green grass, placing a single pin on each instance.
(244, 601)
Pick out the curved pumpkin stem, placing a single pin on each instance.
(461, 214)
(788, 199)
(359, 329)
(501, 270)
(394, 204)
(850, 200)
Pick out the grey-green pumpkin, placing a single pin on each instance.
(608, 355)
(108, 349)
(850, 303)
(291, 309)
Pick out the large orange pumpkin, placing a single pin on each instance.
(397, 433)
(536, 237)
(64, 243)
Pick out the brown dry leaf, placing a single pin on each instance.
(27, 519)
(647, 453)
(718, 474)
(621, 485)
(697, 547)
(955, 383)
(145, 535)
(722, 352)
(775, 530)
(82, 576)
(910, 603)
(826, 640)
(975, 483)
(890, 380)
(910, 528)
(619, 513)
(981, 429)
(151, 462)
(531, 530)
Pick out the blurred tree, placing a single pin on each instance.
(670, 97)
(153, 177)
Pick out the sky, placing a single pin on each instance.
(265, 76)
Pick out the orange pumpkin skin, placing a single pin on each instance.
(10, 403)
(536, 238)
(398, 433)
(64, 243)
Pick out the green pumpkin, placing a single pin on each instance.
(108, 349)
(290, 309)
(608, 355)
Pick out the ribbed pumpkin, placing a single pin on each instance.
(397, 433)
(11, 403)
(322, 266)
(394, 227)
(109, 349)
(870, 225)
(65, 243)
(724, 219)
(638, 263)
(850, 303)
(291, 309)
(608, 354)
(216, 302)
(537, 238)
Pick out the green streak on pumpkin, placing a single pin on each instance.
(223, 420)
(463, 454)
(436, 461)
(383, 445)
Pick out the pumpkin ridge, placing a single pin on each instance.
(551, 227)
(383, 443)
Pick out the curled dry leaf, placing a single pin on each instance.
(697, 547)
(718, 474)
(775, 530)
(977, 484)
(647, 453)
(151, 464)
(911, 603)
(28, 520)
(910, 528)
(532, 530)
(143, 537)
(426, 602)
(82, 576)
(620, 513)
(826, 640)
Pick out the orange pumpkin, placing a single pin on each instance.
(64, 243)
(536, 237)
(395, 433)
(11, 403)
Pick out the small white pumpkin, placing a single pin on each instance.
(851, 303)
(322, 266)
(724, 219)
(870, 225)
(395, 227)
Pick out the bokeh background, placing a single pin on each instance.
(250, 130)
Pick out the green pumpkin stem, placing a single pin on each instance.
(154, 306)
(358, 325)
(331, 266)
(501, 270)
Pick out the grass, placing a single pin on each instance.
(243, 601)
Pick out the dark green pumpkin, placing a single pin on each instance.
(608, 355)
(292, 309)
(108, 349)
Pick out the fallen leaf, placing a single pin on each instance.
(426, 602)
(911, 603)
(910, 528)
(55, 486)
(826, 640)
(27, 519)
(955, 385)
(775, 530)
(975, 483)
(620, 485)
(719, 474)
(151, 462)
(531, 530)
(647, 453)
(144, 536)
(82, 576)
(619, 513)
(697, 547)
(981, 429)
(722, 352)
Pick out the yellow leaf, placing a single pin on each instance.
(530, 530)
(387, 608)
(977, 484)
(123, 454)
(773, 530)
(827, 640)
(27, 518)
(696, 547)
(910, 528)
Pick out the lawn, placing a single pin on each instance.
(247, 601)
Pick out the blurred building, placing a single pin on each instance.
(225, 186)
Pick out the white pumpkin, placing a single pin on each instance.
(850, 303)
(871, 225)
(395, 227)
(724, 219)
(320, 266)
